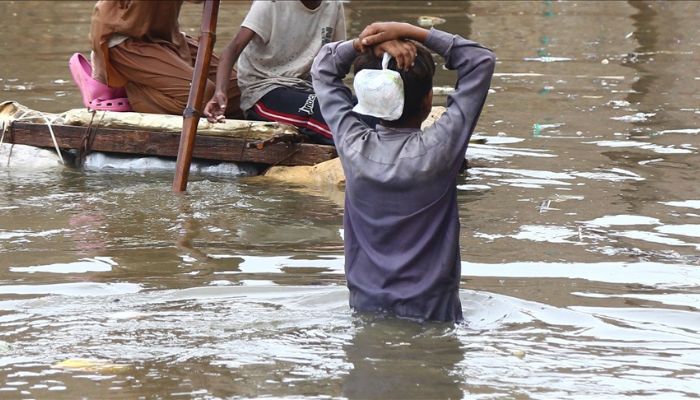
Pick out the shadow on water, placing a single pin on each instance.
(402, 360)
(646, 34)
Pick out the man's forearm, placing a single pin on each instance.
(230, 55)
(228, 59)
(380, 32)
(414, 33)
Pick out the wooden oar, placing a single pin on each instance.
(196, 97)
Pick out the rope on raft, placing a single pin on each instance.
(2, 139)
(30, 117)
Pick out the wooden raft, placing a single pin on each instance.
(140, 134)
(165, 144)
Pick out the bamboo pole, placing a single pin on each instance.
(196, 97)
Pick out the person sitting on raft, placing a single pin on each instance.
(401, 219)
(275, 47)
(137, 45)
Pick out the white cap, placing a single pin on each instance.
(379, 92)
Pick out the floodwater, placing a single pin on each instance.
(580, 234)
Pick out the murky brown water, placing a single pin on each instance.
(580, 239)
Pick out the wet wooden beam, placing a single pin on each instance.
(165, 144)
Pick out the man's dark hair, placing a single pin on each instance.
(417, 81)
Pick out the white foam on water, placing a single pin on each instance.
(537, 233)
(260, 264)
(550, 126)
(645, 162)
(689, 131)
(74, 289)
(669, 321)
(692, 230)
(651, 237)
(530, 173)
(547, 59)
(622, 219)
(97, 264)
(517, 74)
(642, 145)
(653, 274)
(686, 203)
(526, 185)
(126, 315)
(221, 282)
(545, 233)
(612, 175)
(470, 187)
(493, 153)
(637, 117)
(186, 258)
(21, 234)
(672, 299)
(534, 182)
(257, 282)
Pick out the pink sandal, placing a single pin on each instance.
(96, 95)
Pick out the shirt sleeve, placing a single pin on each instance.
(340, 32)
(330, 66)
(475, 65)
(259, 19)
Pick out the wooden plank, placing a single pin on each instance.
(165, 144)
(242, 129)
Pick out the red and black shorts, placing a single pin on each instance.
(294, 107)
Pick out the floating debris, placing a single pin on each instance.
(547, 59)
(83, 364)
(618, 103)
(5, 347)
(428, 21)
(518, 353)
(637, 117)
(690, 131)
(443, 90)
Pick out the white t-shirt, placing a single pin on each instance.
(288, 37)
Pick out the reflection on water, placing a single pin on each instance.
(402, 360)
(580, 241)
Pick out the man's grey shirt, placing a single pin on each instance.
(401, 221)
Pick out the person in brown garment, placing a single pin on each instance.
(137, 44)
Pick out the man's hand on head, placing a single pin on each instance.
(404, 51)
(380, 32)
(357, 44)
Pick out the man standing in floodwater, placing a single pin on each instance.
(401, 219)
